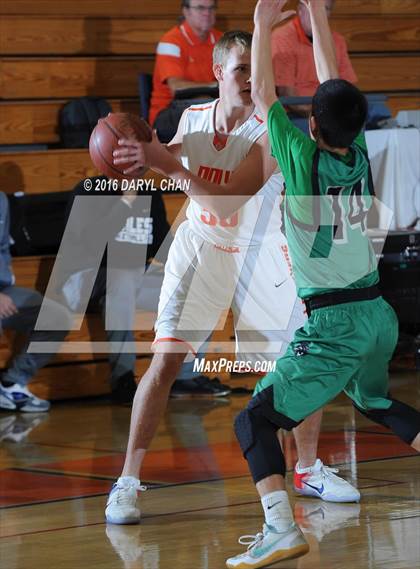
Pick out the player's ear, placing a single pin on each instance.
(313, 128)
(218, 71)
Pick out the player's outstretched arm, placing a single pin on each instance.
(323, 42)
(223, 201)
(267, 14)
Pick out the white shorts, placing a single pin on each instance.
(203, 280)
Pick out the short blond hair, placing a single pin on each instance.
(228, 40)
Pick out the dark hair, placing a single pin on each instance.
(340, 111)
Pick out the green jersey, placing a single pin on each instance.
(327, 201)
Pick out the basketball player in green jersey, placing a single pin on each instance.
(351, 332)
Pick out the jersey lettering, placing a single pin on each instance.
(356, 213)
(358, 210)
(216, 176)
(349, 211)
(338, 211)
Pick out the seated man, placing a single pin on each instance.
(19, 309)
(183, 61)
(136, 231)
(294, 64)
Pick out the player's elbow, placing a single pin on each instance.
(257, 94)
(263, 99)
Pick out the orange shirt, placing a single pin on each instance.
(180, 53)
(293, 59)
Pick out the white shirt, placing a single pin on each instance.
(259, 219)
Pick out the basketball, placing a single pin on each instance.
(104, 140)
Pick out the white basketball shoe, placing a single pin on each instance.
(122, 507)
(320, 481)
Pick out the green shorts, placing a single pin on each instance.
(345, 347)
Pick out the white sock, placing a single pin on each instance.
(277, 510)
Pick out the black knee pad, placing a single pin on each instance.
(244, 430)
(259, 443)
(402, 419)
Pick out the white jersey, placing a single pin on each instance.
(260, 218)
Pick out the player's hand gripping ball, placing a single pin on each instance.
(104, 140)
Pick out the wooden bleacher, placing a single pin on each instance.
(47, 77)
(52, 51)
(35, 122)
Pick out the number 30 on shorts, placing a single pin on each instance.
(210, 219)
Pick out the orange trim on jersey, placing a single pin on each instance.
(199, 108)
(171, 339)
(227, 249)
(260, 120)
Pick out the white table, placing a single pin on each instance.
(395, 160)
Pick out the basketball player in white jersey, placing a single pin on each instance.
(219, 261)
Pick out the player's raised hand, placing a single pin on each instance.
(268, 13)
(315, 3)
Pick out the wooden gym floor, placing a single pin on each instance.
(57, 468)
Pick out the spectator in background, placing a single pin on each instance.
(135, 230)
(19, 309)
(184, 60)
(293, 59)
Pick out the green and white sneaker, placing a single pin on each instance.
(268, 547)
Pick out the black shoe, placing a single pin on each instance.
(200, 386)
(125, 390)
